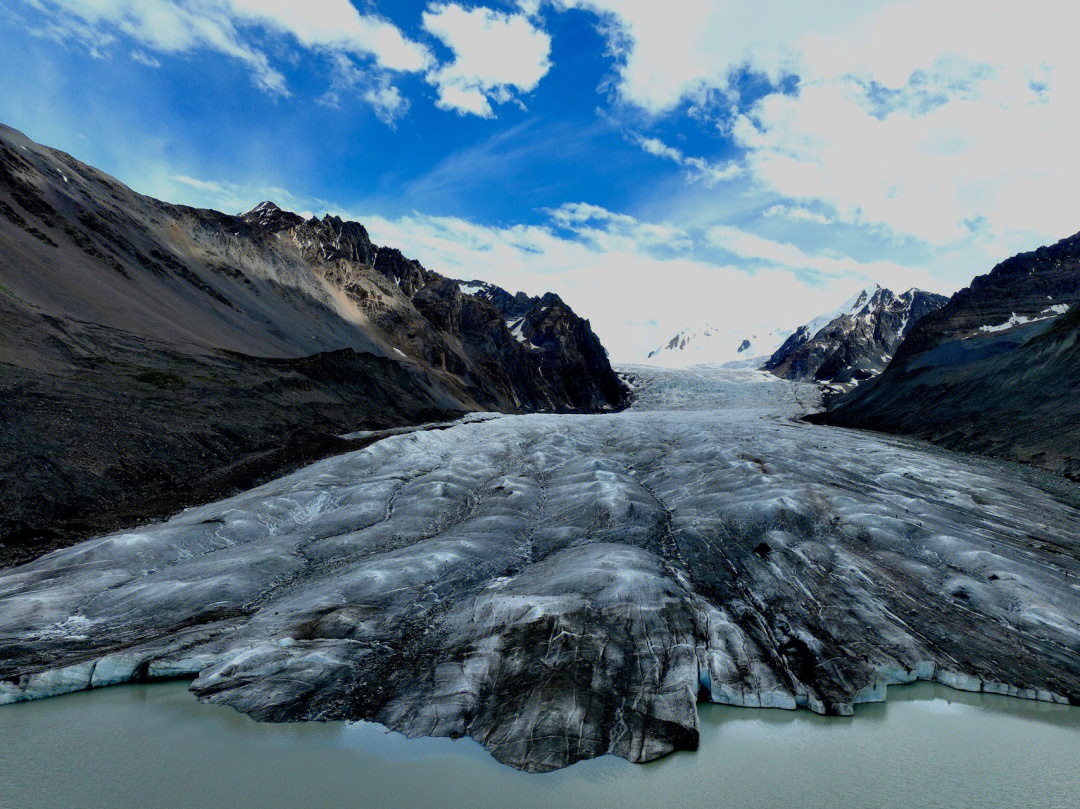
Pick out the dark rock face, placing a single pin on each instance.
(995, 371)
(557, 363)
(100, 286)
(409, 275)
(563, 586)
(1026, 285)
(511, 306)
(570, 354)
(858, 342)
(329, 239)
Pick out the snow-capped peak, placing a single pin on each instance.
(854, 341)
(706, 344)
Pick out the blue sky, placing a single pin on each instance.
(659, 165)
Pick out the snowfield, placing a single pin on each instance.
(559, 587)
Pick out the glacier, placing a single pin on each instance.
(564, 586)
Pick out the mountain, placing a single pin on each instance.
(854, 342)
(563, 343)
(995, 371)
(707, 344)
(511, 306)
(154, 355)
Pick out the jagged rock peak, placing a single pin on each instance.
(563, 342)
(330, 238)
(855, 341)
(265, 207)
(511, 306)
(271, 217)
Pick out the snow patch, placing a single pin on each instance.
(516, 327)
(1019, 320)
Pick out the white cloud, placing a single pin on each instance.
(935, 120)
(376, 89)
(201, 185)
(336, 26)
(387, 101)
(464, 100)
(771, 253)
(697, 168)
(995, 156)
(495, 56)
(672, 51)
(610, 270)
(655, 146)
(711, 173)
(574, 215)
(606, 230)
(796, 213)
(332, 27)
(145, 59)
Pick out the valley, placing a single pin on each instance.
(572, 404)
(559, 587)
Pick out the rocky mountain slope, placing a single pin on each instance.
(855, 342)
(148, 348)
(707, 344)
(562, 342)
(996, 370)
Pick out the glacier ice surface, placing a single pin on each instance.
(563, 586)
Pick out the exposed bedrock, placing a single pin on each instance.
(562, 586)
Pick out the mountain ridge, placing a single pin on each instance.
(856, 341)
(169, 318)
(994, 371)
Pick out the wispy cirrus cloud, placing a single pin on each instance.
(697, 168)
(202, 185)
(770, 253)
(237, 29)
(145, 59)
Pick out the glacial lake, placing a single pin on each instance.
(150, 746)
